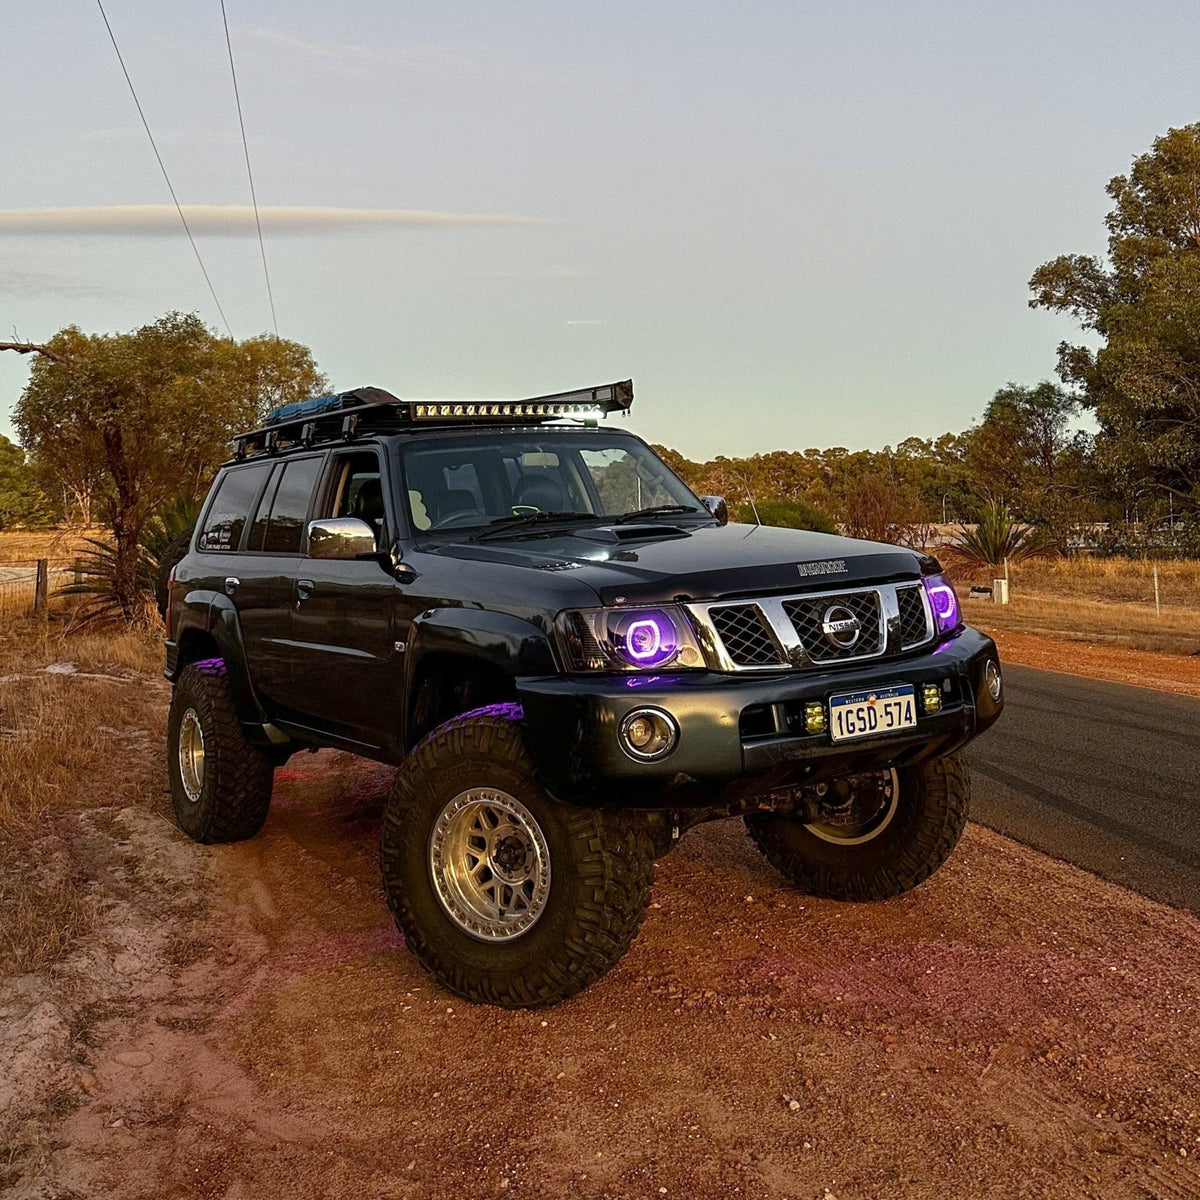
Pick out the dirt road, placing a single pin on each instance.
(244, 1023)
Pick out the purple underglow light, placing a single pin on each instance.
(943, 601)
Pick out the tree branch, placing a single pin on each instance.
(32, 348)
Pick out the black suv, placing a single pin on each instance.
(572, 659)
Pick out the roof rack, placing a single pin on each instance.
(345, 415)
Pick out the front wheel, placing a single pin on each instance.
(507, 896)
(890, 832)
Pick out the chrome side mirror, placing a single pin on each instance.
(340, 537)
(717, 506)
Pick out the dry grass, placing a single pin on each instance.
(1108, 601)
(67, 741)
(21, 546)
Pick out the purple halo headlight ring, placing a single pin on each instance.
(646, 638)
(943, 600)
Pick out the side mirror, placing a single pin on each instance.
(717, 506)
(341, 538)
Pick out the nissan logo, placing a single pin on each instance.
(840, 626)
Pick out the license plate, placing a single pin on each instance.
(879, 710)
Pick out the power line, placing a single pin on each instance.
(249, 174)
(162, 167)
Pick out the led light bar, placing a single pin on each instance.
(587, 404)
(474, 410)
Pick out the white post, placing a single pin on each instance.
(1000, 591)
(1157, 604)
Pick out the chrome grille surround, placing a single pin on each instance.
(799, 643)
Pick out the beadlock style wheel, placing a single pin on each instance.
(490, 864)
(872, 805)
(191, 756)
(507, 895)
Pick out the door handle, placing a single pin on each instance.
(304, 588)
(232, 583)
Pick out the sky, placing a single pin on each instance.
(793, 224)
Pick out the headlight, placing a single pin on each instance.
(629, 639)
(943, 600)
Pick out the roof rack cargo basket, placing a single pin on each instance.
(344, 415)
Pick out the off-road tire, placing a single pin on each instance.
(235, 792)
(601, 870)
(927, 824)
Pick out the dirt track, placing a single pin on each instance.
(245, 1023)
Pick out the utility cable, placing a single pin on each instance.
(162, 167)
(249, 173)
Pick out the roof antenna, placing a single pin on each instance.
(749, 496)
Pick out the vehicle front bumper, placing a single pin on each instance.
(741, 729)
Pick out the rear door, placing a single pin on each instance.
(346, 671)
(234, 574)
(266, 570)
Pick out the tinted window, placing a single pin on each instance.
(258, 531)
(285, 527)
(230, 507)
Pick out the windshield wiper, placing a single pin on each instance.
(502, 526)
(655, 509)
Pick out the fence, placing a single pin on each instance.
(26, 587)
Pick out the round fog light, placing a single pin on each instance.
(647, 734)
(991, 677)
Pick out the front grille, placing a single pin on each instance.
(809, 614)
(914, 628)
(747, 640)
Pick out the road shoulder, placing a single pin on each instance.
(1177, 673)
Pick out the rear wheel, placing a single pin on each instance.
(508, 896)
(220, 782)
(879, 835)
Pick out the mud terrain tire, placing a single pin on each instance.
(587, 872)
(924, 829)
(220, 783)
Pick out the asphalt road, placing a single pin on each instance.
(1100, 774)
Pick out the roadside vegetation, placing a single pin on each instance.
(1108, 601)
(72, 710)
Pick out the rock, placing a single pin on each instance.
(794, 1105)
(89, 1082)
(134, 1058)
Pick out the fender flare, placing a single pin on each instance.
(496, 641)
(211, 617)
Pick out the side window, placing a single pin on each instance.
(258, 531)
(357, 491)
(230, 508)
(289, 510)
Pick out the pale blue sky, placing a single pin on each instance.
(803, 224)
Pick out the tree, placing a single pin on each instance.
(787, 514)
(21, 500)
(138, 417)
(1143, 382)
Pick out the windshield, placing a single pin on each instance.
(474, 481)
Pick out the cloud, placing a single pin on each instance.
(32, 284)
(235, 220)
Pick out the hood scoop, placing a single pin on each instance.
(612, 534)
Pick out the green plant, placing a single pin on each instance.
(998, 539)
(99, 567)
(788, 514)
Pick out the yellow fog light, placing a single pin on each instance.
(931, 698)
(814, 717)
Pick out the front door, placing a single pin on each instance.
(347, 671)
